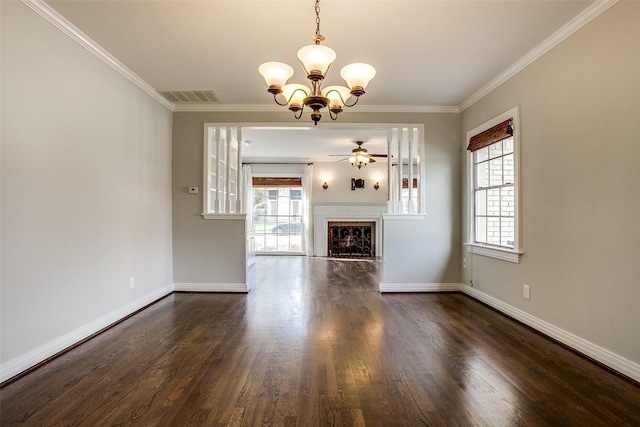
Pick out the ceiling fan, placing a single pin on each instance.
(359, 156)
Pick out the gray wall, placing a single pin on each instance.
(86, 191)
(579, 108)
(436, 259)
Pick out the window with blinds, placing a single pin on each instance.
(277, 214)
(494, 191)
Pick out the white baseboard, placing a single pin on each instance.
(419, 287)
(21, 363)
(211, 287)
(602, 355)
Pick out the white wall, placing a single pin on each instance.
(86, 192)
(338, 176)
(580, 158)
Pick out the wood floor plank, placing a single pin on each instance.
(315, 344)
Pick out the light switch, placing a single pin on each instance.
(193, 190)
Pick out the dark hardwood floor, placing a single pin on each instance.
(315, 344)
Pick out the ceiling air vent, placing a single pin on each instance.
(182, 96)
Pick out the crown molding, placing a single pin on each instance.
(586, 16)
(44, 10)
(191, 107)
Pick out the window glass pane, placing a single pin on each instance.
(283, 204)
(508, 169)
(273, 194)
(481, 229)
(482, 175)
(296, 194)
(493, 202)
(493, 230)
(507, 232)
(481, 154)
(508, 145)
(507, 202)
(481, 202)
(495, 172)
(283, 243)
(495, 150)
(295, 207)
(295, 243)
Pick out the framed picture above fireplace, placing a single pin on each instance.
(357, 183)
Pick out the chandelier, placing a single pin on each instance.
(316, 60)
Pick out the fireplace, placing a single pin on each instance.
(351, 239)
(325, 213)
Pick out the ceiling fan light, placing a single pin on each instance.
(358, 75)
(295, 94)
(316, 59)
(275, 74)
(337, 96)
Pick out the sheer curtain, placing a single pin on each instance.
(307, 235)
(247, 190)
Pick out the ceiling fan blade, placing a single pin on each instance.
(377, 155)
(371, 160)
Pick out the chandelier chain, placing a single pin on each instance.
(317, 16)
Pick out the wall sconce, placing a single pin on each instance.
(376, 185)
(325, 185)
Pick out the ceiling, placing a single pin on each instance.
(427, 54)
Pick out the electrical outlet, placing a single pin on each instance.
(132, 282)
(525, 291)
(464, 263)
(471, 283)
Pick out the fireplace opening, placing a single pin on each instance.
(351, 239)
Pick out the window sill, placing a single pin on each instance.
(223, 216)
(510, 255)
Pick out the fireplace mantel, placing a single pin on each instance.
(323, 212)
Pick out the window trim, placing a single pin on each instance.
(498, 252)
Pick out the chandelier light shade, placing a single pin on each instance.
(357, 76)
(316, 60)
(295, 95)
(336, 95)
(275, 74)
